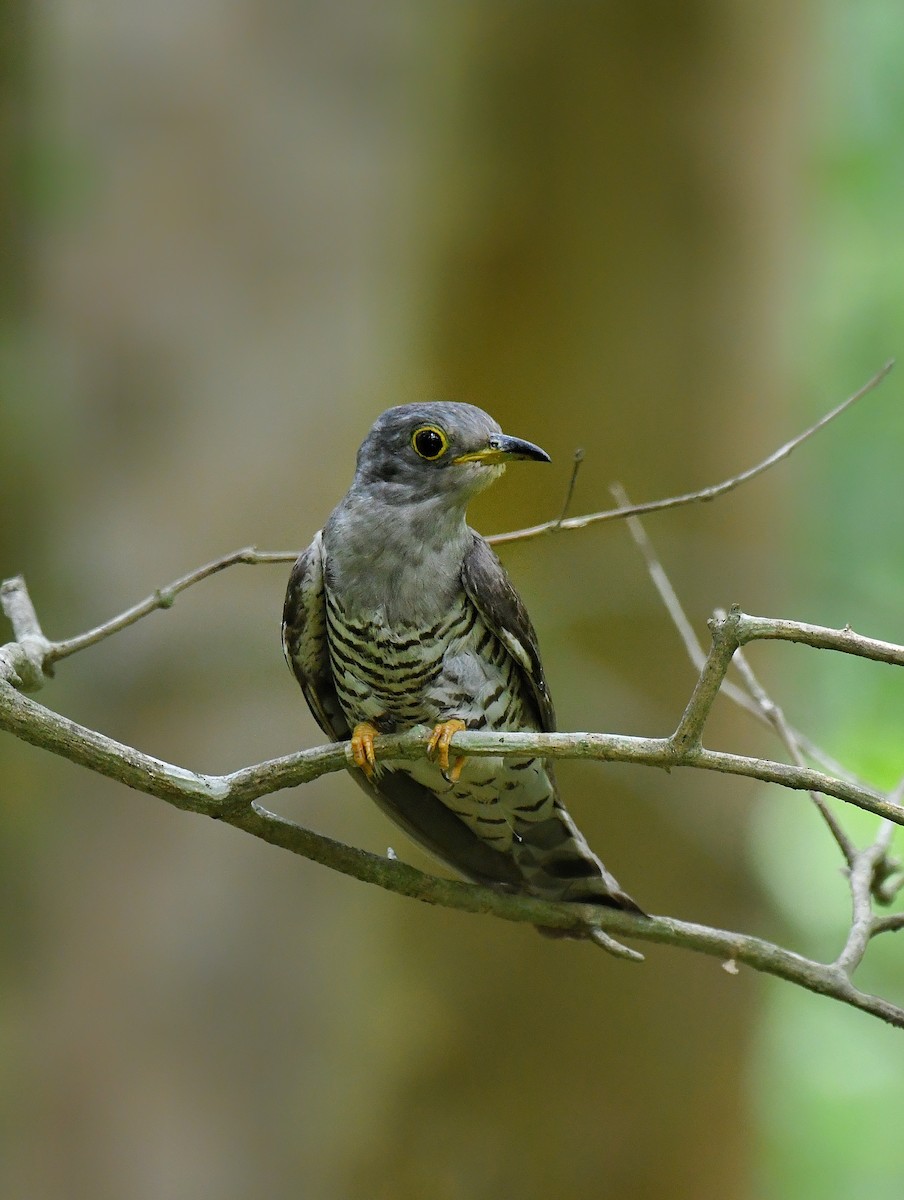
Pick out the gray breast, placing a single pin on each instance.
(384, 672)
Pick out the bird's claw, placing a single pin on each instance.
(438, 747)
(363, 748)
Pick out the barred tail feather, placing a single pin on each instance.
(558, 864)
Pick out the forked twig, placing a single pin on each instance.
(862, 880)
(755, 699)
(871, 874)
(695, 650)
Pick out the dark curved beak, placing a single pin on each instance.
(501, 448)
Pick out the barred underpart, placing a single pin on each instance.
(401, 676)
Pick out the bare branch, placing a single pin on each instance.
(755, 699)
(395, 876)
(845, 640)
(862, 876)
(38, 725)
(705, 494)
(890, 924)
(709, 684)
(35, 724)
(662, 583)
(23, 660)
(230, 798)
(789, 737)
(164, 598)
(16, 604)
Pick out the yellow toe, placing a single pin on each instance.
(362, 742)
(438, 746)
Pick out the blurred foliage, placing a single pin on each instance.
(830, 1088)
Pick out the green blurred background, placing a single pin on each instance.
(232, 233)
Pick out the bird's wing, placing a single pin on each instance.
(305, 645)
(417, 810)
(491, 592)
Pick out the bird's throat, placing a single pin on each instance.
(401, 561)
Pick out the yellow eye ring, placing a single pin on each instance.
(429, 442)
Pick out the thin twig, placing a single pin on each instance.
(17, 605)
(697, 654)
(709, 684)
(576, 461)
(705, 494)
(788, 736)
(752, 629)
(164, 598)
(890, 924)
(660, 579)
(862, 877)
(23, 661)
(755, 699)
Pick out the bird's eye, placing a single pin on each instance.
(429, 442)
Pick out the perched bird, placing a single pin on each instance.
(398, 614)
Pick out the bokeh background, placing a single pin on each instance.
(233, 232)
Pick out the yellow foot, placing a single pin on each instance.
(363, 748)
(438, 746)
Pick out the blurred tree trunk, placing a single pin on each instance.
(610, 213)
(572, 215)
(14, 61)
(20, 519)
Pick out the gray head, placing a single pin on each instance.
(439, 450)
(397, 539)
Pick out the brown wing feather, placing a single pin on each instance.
(491, 592)
(418, 811)
(305, 645)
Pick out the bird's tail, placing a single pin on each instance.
(558, 864)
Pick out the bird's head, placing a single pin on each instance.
(438, 450)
